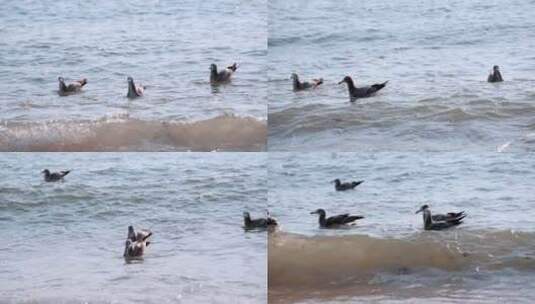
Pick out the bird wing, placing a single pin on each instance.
(354, 184)
(337, 219)
(225, 74)
(306, 85)
(259, 223)
(74, 86)
(352, 218)
(376, 87)
(81, 82)
(136, 249)
(455, 219)
(271, 221)
(140, 89)
(142, 235)
(317, 81)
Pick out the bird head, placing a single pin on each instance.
(346, 79)
(318, 211)
(423, 208)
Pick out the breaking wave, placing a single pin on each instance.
(222, 133)
(303, 262)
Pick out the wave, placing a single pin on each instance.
(222, 133)
(320, 117)
(303, 262)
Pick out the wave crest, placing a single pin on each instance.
(222, 133)
(317, 262)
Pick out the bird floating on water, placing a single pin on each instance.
(440, 221)
(339, 186)
(134, 90)
(71, 88)
(223, 76)
(299, 86)
(361, 92)
(54, 176)
(335, 221)
(136, 243)
(495, 75)
(259, 223)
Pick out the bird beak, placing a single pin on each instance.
(313, 212)
(420, 210)
(341, 82)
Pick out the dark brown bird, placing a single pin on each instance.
(495, 75)
(335, 221)
(134, 90)
(71, 88)
(300, 86)
(136, 243)
(223, 76)
(339, 186)
(361, 92)
(54, 176)
(440, 221)
(259, 223)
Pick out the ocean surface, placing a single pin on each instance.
(167, 46)
(436, 56)
(63, 242)
(388, 257)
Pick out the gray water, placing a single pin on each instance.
(436, 56)
(388, 255)
(166, 45)
(63, 242)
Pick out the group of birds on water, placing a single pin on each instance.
(137, 90)
(136, 243)
(356, 92)
(431, 221)
(224, 76)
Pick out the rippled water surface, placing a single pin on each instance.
(436, 56)
(63, 242)
(166, 45)
(388, 256)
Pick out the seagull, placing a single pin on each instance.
(299, 86)
(222, 76)
(261, 223)
(495, 75)
(136, 243)
(55, 176)
(361, 92)
(440, 221)
(134, 90)
(71, 88)
(339, 186)
(335, 221)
